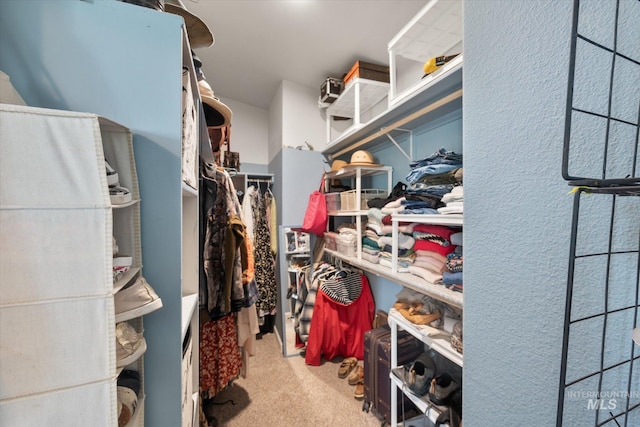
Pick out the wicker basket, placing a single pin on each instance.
(348, 198)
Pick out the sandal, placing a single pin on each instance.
(347, 366)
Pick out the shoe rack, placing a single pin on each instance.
(57, 323)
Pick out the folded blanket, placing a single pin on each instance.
(425, 274)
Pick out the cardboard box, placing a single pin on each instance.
(367, 70)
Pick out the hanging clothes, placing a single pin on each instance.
(344, 310)
(264, 258)
(220, 359)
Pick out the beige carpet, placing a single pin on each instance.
(282, 391)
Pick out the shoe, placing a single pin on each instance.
(418, 375)
(359, 391)
(136, 300)
(356, 375)
(128, 393)
(119, 195)
(112, 175)
(130, 345)
(347, 366)
(441, 389)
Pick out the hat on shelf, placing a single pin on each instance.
(197, 30)
(216, 113)
(363, 158)
(336, 165)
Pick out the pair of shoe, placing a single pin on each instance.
(130, 345)
(118, 194)
(128, 391)
(415, 313)
(419, 373)
(135, 300)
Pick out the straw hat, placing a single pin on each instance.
(362, 158)
(197, 30)
(216, 113)
(337, 165)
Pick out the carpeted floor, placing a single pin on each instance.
(282, 391)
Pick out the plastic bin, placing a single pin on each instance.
(333, 201)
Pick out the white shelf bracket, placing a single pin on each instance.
(404, 153)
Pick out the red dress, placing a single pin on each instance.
(338, 329)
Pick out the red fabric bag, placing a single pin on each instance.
(315, 218)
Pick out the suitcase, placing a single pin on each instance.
(377, 366)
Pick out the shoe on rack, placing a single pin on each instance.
(136, 300)
(356, 375)
(130, 345)
(441, 389)
(112, 175)
(128, 393)
(119, 195)
(418, 375)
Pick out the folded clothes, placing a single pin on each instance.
(436, 230)
(454, 262)
(370, 257)
(402, 253)
(449, 278)
(389, 211)
(404, 241)
(387, 263)
(448, 210)
(375, 215)
(370, 251)
(425, 274)
(395, 203)
(430, 264)
(420, 211)
(456, 238)
(439, 156)
(426, 245)
(435, 255)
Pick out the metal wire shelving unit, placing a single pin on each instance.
(600, 367)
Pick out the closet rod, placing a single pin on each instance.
(267, 181)
(431, 107)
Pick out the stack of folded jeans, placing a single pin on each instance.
(430, 179)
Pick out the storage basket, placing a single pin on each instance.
(333, 201)
(348, 198)
(346, 244)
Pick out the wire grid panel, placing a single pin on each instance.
(600, 370)
(603, 95)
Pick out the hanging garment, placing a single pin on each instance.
(220, 359)
(264, 260)
(337, 329)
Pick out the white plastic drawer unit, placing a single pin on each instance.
(435, 31)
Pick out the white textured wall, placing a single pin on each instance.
(303, 120)
(249, 132)
(517, 210)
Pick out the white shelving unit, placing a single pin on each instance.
(414, 101)
(356, 173)
(436, 30)
(358, 101)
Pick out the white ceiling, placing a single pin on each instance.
(259, 43)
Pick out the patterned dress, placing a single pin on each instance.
(264, 259)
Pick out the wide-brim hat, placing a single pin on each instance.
(216, 113)
(198, 32)
(363, 158)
